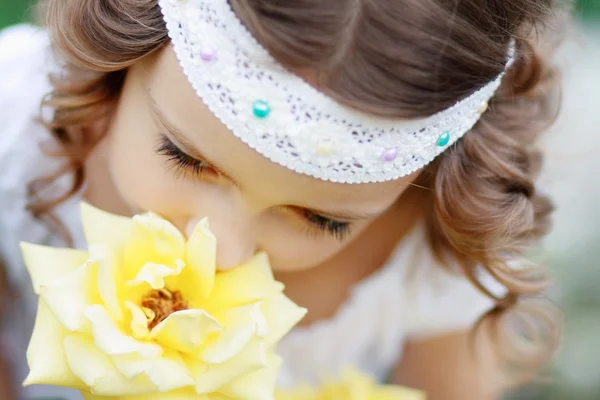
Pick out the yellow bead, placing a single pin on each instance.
(324, 149)
(483, 108)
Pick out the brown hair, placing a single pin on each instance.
(394, 58)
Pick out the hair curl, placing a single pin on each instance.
(401, 59)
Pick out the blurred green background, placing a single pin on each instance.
(573, 182)
(12, 11)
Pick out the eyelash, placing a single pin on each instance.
(187, 164)
(336, 228)
(177, 158)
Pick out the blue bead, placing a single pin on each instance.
(261, 109)
(443, 139)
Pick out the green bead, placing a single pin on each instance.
(261, 109)
(443, 139)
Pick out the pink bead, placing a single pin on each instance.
(390, 154)
(208, 54)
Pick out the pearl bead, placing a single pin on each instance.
(483, 108)
(443, 139)
(324, 149)
(390, 154)
(208, 54)
(261, 109)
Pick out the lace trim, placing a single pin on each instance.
(287, 120)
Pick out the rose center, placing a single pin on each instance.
(159, 304)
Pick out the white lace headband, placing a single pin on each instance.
(291, 123)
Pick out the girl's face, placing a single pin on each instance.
(169, 154)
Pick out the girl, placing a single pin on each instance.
(381, 152)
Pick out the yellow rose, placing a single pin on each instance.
(353, 385)
(144, 312)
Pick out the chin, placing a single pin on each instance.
(288, 267)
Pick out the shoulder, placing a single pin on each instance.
(21, 41)
(24, 56)
(438, 298)
(24, 65)
(17, 40)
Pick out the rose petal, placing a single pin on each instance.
(111, 340)
(104, 228)
(260, 262)
(243, 285)
(46, 264)
(257, 385)
(185, 330)
(241, 324)
(210, 378)
(69, 296)
(282, 315)
(303, 392)
(228, 344)
(154, 240)
(139, 321)
(109, 279)
(181, 394)
(45, 354)
(168, 372)
(201, 255)
(155, 274)
(389, 392)
(97, 371)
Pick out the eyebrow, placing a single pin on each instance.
(194, 152)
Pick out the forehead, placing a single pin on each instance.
(164, 79)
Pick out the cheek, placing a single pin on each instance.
(300, 256)
(299, 251)
(139, 174)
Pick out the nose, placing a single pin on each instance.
(235, 239)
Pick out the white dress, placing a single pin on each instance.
(410, 297)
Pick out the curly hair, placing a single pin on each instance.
(401, 59)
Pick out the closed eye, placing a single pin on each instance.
(180, 161)
(339, 229)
